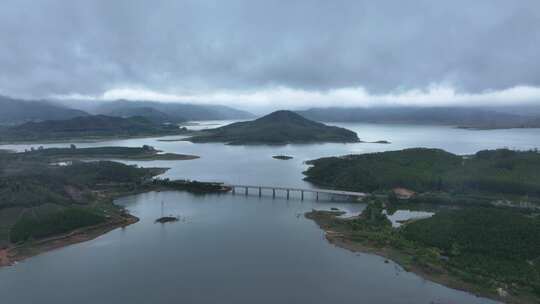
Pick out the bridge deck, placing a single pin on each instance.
(327, 191)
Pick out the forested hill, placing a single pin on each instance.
(98, 126)
(454, 116)
(14, 111)
(280, 127)
(423, 170)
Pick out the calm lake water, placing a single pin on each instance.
(238, 249)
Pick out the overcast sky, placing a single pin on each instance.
(273, 53)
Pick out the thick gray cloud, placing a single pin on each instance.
(60, 47)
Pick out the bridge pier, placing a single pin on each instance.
(288, 193)
(247, 190)
(260, 192)
(273, 192)
(302, 195)
(317, 196)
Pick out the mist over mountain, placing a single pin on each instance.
(15, 111)
(176, 112)
(454, 116)
(147, 112)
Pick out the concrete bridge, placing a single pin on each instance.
(315, 192)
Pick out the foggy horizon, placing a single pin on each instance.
(262, 56)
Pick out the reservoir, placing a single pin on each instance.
(235, 248)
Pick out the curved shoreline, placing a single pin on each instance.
(16, 253)
(13, 254)
(340, 239)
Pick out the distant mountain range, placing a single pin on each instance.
(170, 112)
(147, 112)
(280, 127)
(16, 111)
(456, 116)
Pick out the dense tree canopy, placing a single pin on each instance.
(419, 169)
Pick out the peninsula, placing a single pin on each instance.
(487, 242)
(87, 128)
(435, 175)
(45, 205)
(145, 152)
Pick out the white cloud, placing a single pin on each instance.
(282, 97)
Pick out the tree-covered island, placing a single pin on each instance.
(280, 127)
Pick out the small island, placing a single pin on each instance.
(282, 157)
(277, 128)
(167, 219)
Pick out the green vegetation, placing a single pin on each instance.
(280, 127)
(86, 127)
(64, 221)
(34, 193)
(488, 250)
(487, 246)
(478, 249)
(39, 198)
(143, 153)
(512, 174)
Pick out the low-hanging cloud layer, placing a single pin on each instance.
(278, 53)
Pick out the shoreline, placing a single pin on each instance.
(342, 240)
(163, 156)
(89, 139)
(16, 253)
